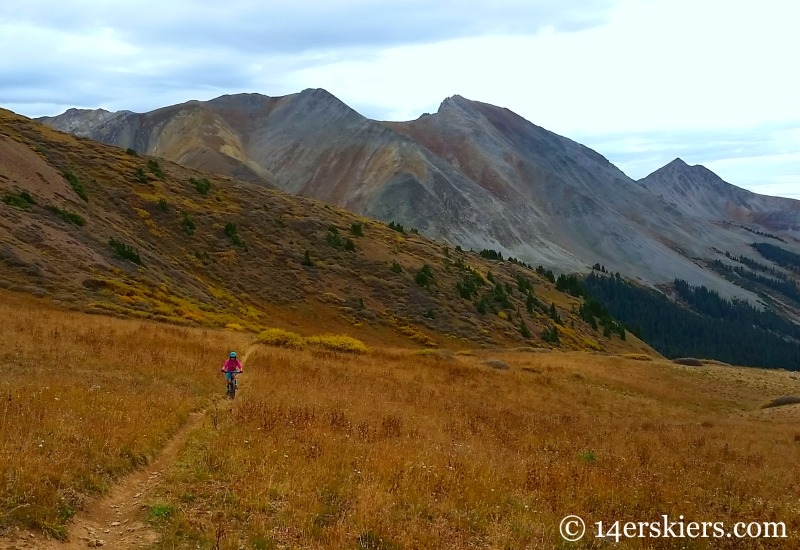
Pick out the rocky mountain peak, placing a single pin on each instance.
(457, 103)
(678, 163)
(319, 100)
(678, 172)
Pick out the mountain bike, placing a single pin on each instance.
(232, 384)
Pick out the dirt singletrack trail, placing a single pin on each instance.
(117, 520)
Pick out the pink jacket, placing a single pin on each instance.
(232, 365)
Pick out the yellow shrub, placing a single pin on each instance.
(153, 228)
(424, 339)
(502, 315)
(234, 326)
(250, 312)
(281, 338)
(191, 316)
(592, 344)
(339, 342)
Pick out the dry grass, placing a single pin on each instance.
(86, 399)
(403, 448)
(390, 449)
(638, 357)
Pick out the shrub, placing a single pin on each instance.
(307, 259)
(688, 361)
(339, 342)
(76, 184)
(523, 330)
(483, 305)
(233, 234)
(162, 205)
(357, 230)
(396, 267)
(501, 295)
(204, 257)
(524, 285)
(281, 338)
(397, 227)
(155, 168)
(187, 224)
(22, 200)
(467, 287)
(125, 251)
(140, 176)
(554, 313)
(131, 152)
(202, 185)
(424, 276)
(491, 254)
(67, 216)
(161, 511)
(550, 335)
(334, 239)
(783, 401)
(532, 302)
(588, 456)
(546, 273)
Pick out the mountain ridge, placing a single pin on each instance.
(473, 174)
(107, 231)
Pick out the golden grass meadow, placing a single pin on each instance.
(386, 448)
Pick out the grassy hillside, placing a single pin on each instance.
(392, 448)
(104, 230)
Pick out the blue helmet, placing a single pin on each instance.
(233, 355)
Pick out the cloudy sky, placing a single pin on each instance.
(714, 82)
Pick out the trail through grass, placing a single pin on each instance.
(391, 448)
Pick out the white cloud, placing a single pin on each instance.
(643, 81)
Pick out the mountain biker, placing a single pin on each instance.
(231, 367)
